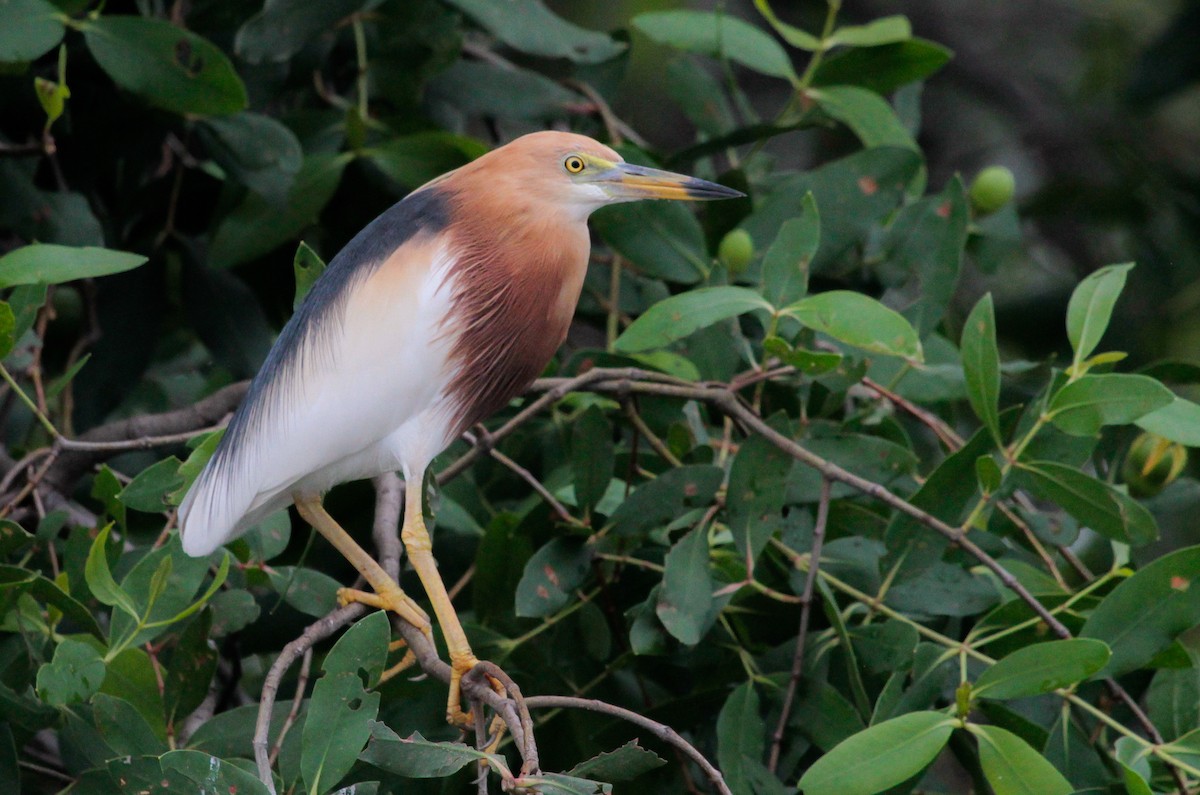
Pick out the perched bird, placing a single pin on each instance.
(434, 316)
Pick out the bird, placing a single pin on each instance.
(433, 317)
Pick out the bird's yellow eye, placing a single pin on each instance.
(573, 164)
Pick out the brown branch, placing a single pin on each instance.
(297, 700)
(944, 432)
(641, 427)
(805, 611)
(660, 730)
(527, 476)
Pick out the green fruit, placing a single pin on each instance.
(736, 251)
(1152, 464)
(992, 189)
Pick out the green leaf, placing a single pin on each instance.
(885, 30)
(1092, 502)
(885, 68)
(283, 27)
(741, 739)
(13, 537)
(211, 774)
(551, 575)
(786, 263)
(854, 193)
(680, 315)
(1091, 308)
(686, 600)
(671, 494)
(8, 327)
(793, 35)
(981, 365)
(416, 757)
(100, 580)
(362, 649)
(757, 489)
(869, 115)
(720, 36)
(625, 763)
(312, 592)
(1173, 700)
(880, 757)
(528, 26)
(256, 227)
(178, 598)
(28, 29)
(1012, 767)
(191, 669)
(46, 263)
(1042, 667)
(203, 448)
(338, 725)
(663, 239)
(1178, 421)
(1085, 405)
(167, 66)
(124, 728)
(944, 589)
(857, 320)
(1145, 613)
(477, 88)
(989, 474)
(258, 151)
(74, 675)
(558, 784)
(148, 491)
(804, 360)
(17, 580)
(413, 160)
(592, 454)
(232, 611)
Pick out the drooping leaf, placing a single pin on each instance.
(28, 29)
(551, 575)
(858, 320)
(193, 663)
(100, 580)
(787, 261)
(741, 739)
(339, 721)
(680, 315)
(124, 728)
(686, 600)
(283, 27)
(880, 756)
(47, 263)
(530, 27)
(1178, 421)
(885, 68)
(757, 489)
(1085, 405)
(718, 35)
(1090, 308)
(866, 113)
(169, 67)
(1091, 501)
(258, 151)
(663, 239)
(416, 757)
(1012, 767)
(1146, 612)
(592, 454)
(981, 365)
(413, 160)
(1041, 668)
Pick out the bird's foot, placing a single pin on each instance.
(389, 598)
(460, 665)
(405, 663)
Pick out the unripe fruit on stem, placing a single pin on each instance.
(1152, 464)
(992, 189)
(736, 250)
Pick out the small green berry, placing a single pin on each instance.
(1152, 464)
(736, 251)
(992, 189)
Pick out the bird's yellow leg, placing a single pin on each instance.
(420, 556)
(388, 595)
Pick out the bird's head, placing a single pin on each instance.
(576, 172)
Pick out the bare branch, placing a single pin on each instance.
(660, 730)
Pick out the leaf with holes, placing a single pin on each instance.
(169, 67)
(337, 727)
(627, 762)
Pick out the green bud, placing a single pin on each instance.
(992, 189)
(1152, 464)
(736, 251)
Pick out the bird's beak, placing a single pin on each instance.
(627, 182)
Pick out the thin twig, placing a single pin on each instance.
(660, 730)
(944, 432)
(805, 611)
(640, 425)
(297, 700)
(528, 477)
(530, 764)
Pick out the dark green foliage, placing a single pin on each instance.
(811, 366)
